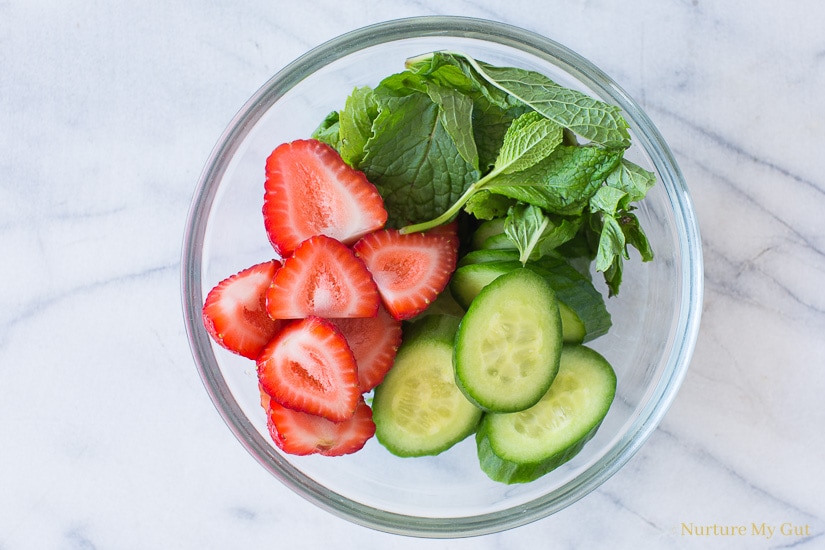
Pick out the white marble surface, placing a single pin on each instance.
(108, 111)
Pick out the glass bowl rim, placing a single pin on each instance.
(532, 44)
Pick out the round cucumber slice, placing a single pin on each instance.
(584, 315)
(523, 446)
(418, 410)
(508, 344)
(468, 280)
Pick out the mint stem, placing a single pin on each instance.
(452, 211)
(448, 214)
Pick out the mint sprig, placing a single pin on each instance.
(530, 139)
(452, 133)
(588, 117)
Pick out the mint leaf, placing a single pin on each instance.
(615, 234)
(563, 182)
(632, 179)
(610, 252)
(530, 139)
(525, 226)
(615, 204)
(609, 200)
(412, 159)
(355, 123)
(490, 125)
(453, 70)
(493, 110)
(635, 236)
(611, 243)
(400, 85)
(535, 233)
(456, 115)
(328, 131)
(588, 117)
(487, 206)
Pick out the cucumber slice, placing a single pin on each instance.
(483, 255)
(508, 344)
(467, 281)
(486, 230)
(583, 312)
(418, 410)
(523, 446)
(498, 242)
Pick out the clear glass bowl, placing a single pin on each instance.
(656, 315)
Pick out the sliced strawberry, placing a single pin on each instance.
(299, 433)
(448, 231)
(410, 270)
(374, 342)
(323, 278)
(234, 312)
(310, 191)
(265, 399)
(309, 367)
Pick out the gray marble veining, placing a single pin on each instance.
(108, 112)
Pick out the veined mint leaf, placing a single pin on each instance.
(536, 233)
(493, 109)
(526, 225)
(590, 118)
(610, 253)
(530, 139)
(616, 234)
(487, 206)
(611, 244)
(400, 85)
(609, 200)
(456, 114)
(412, 159)
(452, 70)
(563, 182)
(632, 179)
(455, 108)
(355, 123)
(490, 124)
(635, 235)
(328, 131)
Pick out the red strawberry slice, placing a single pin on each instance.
(299, 433)
(374, 342)
(448, 231)
(234, 312)
(309, 367)
(323, 278)
(410, 270)
(310, 191)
